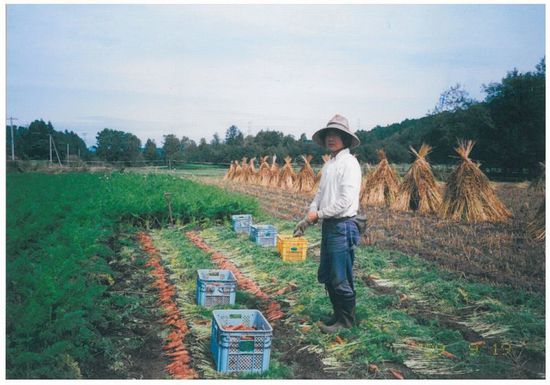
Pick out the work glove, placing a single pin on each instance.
(301, 227)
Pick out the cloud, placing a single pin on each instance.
(194, 70)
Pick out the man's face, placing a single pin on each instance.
(333, 141)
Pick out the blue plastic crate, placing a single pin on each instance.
(263, 235)
(215, 287)
(240, 350)
(241, 223)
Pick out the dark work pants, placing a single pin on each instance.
(339, 237)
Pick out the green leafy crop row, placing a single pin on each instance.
(61, 236)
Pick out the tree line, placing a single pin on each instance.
(508, 127)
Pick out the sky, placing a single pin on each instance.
(195, 70)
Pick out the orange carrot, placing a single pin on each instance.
(398, 375)
(339, 340)
(448, 355)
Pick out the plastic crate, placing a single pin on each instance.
(263, 235)
(240, 350)
(291, 248)
(215, 287)
(241, 223)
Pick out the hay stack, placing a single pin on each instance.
(274, 170)
(536, 228)
(237, 175)
(468, 194)
(230, 172)
(305, 180)
(326, 158)
(418, 191)
(240, 177)
(251, 171)
(381, 185)
(264, 175)
(287, 175)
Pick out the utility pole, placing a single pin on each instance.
(67, 154)
(55, 149)
(12, 139)
(51, 160)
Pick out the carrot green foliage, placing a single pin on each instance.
(61, 233)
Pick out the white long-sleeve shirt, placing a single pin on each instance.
(338, 193)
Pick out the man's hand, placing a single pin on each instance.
(312, 216)
(301, 228)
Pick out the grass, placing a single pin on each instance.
(62, 243)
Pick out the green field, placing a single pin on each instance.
(79, 302)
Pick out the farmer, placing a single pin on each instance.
(337, 203)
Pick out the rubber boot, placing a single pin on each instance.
(346, 317)
(329, 321)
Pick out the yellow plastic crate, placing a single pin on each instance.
(292, 248)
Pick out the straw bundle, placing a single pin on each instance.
(230, 172)
(241, 177)
(418, 191)
(366, 170)
(468, 195)
(381, 185)
(305, 180)
(287, 175)
(326, 158)
(274, 170)
(237, 175)
(251, 172)
(264, 175)
(536, 228)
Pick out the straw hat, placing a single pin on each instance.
(339, 123)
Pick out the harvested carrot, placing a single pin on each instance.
(448, 355)
(339, 340)
(179, 367)
(398, 375)
(373, 368)
(283, 290)
(274, 311)
(240, 327)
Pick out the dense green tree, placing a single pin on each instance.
(117, 146)
(150, 151)
(172, 149)
(454, 99)
(517, 107)
(33, 142)
(234, 136)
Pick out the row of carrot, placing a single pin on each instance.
(273, 311)
(175, 349)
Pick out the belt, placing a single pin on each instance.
(337, 220)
